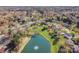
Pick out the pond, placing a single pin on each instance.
(37, 44)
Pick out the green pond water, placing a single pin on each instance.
(37, 44)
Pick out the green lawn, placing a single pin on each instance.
(55, 48)
(46, 35)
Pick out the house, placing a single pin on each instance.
(66, 35)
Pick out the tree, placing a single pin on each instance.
(55, 41)
(44, 28)
(58, 18)
(77, 24)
